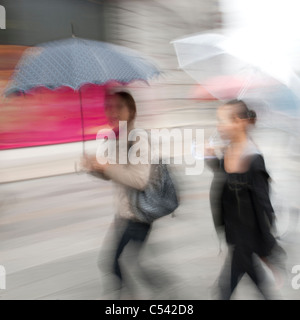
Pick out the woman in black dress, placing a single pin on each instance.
(240, 201)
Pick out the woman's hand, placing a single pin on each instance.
(85, 163)
(209, 151)
(90, 163)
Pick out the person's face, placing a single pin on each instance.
(116, 110)
(229, 126)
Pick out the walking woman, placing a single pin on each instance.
(126, 227)
(240, 201)
(121, 106)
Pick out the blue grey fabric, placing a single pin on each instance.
(74, 62)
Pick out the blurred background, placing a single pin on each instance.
(53, 220)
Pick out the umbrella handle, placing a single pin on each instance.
(82, 122)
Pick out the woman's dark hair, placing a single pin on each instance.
(129, 101)
(242, 111)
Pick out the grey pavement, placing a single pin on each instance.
(52, 229)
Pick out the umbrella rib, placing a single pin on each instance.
(96, 57)
(246, 86)
(136, 67)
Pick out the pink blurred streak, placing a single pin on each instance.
(44, 117)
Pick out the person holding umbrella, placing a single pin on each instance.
(77, 62)
(126, 227)
(240, 202)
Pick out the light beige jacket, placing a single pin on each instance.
(127, 175)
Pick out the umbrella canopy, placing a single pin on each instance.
(212, 58)
(74, 62)
(268, 95)
(226, 87)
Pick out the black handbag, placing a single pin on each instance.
(158, 199)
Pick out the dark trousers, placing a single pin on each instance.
(241, 261)
(134, 231)
(150, 275)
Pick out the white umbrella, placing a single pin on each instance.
(206, 57)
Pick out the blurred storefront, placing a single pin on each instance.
(147, 26)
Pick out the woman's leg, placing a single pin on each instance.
(248, 263)
(230, 275)
(135, 231)
(258, 275)
(125, 238)
(110, 282)
(109, 245)
(119, 234)
(237, 268)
